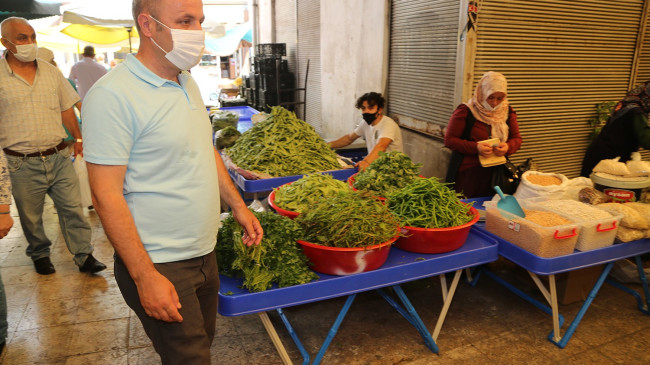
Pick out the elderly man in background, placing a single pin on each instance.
(35, 99)
(86, 72)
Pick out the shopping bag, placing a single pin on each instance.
(84, 185)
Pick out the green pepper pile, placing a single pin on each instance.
(306, 191)
(428, 203)
(348, 219)
(282, 145)
(389, 172)
(277, 259)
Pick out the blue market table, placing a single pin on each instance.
(400, 267)
(536, 265)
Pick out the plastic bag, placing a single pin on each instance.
(612, 166)
(631, 217)
(84, 186)
(638, 167)
(529, 189)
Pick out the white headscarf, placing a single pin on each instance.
(490, 83)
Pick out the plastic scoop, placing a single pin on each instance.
(509, 203)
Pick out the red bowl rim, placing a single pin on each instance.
(350, 249)
(470, 223)
(288, 213)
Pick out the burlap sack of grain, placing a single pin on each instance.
(535, 184)
(625, 234)
(631, 217)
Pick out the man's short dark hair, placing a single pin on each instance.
(372, 98)
(89, 51)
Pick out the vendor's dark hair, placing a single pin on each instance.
(372, 98)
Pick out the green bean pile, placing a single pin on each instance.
(307, 190)
(389, 172)
(282, 145)
(428, 203)
(349, 219)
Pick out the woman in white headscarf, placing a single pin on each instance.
(489, 115)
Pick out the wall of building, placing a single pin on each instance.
(430, 152)
(353, 59)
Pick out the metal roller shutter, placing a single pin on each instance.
(561, 58)
(422, 65)
(309, 49)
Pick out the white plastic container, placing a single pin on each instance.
(539, 240)
(598, 228)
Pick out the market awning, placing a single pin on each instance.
(228, 44)
(99, 34)
(29, 9)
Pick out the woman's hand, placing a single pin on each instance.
(484, 149)
(501, 149)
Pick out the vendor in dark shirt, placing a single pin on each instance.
(626, 130)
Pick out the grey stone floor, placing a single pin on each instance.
(74, 318)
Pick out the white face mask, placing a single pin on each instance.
(187, 47)
(25, 52)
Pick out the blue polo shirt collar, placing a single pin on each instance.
(141, 71)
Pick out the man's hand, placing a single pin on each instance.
(159, 298)
(362, 165)
(6, 222)
(252, 228)
(78, 149)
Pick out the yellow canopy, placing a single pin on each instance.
(98, 34)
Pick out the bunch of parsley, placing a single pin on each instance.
(277, 259)
(388, 173)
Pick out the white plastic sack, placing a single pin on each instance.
(527, 190)
(612, 166)
(84, 186)
(637, 166)
(575, 185)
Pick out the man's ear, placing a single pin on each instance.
(145, 23)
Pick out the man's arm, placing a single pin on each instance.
(70, 121)
(381, 146)
(157, 294)
(344, 141)
(252, 228)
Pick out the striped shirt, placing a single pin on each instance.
(30, 115)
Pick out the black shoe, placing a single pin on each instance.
(44, 266)
(92, 265)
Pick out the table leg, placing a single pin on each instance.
(443, 286)
(553, 336)
(294, 336)
(334, 329)
(447, 303)
(642, 302)
(275, 338)
(554, 307)
(415, 319)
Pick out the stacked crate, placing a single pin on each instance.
(271, 83)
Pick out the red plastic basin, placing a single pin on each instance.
(284, 212)
(436, 240)
(346, 261)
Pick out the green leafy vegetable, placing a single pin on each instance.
(277, 259)
(282, 145)
(348, 219)
(306, 191)
(227, 137)
(389, 172)
(428, 203)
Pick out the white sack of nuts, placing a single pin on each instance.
(536, 184)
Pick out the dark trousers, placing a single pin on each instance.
(197, 284)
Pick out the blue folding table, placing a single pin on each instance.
(400, 267)
(536, 265)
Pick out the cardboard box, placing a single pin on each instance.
(574, 286)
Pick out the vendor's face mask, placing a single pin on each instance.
(188, 47)
(369, 117)
(25, 52)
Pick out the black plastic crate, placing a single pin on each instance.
(269, 83)
(265, 65)
(272, 49)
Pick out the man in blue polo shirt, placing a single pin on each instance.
(156, 179)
